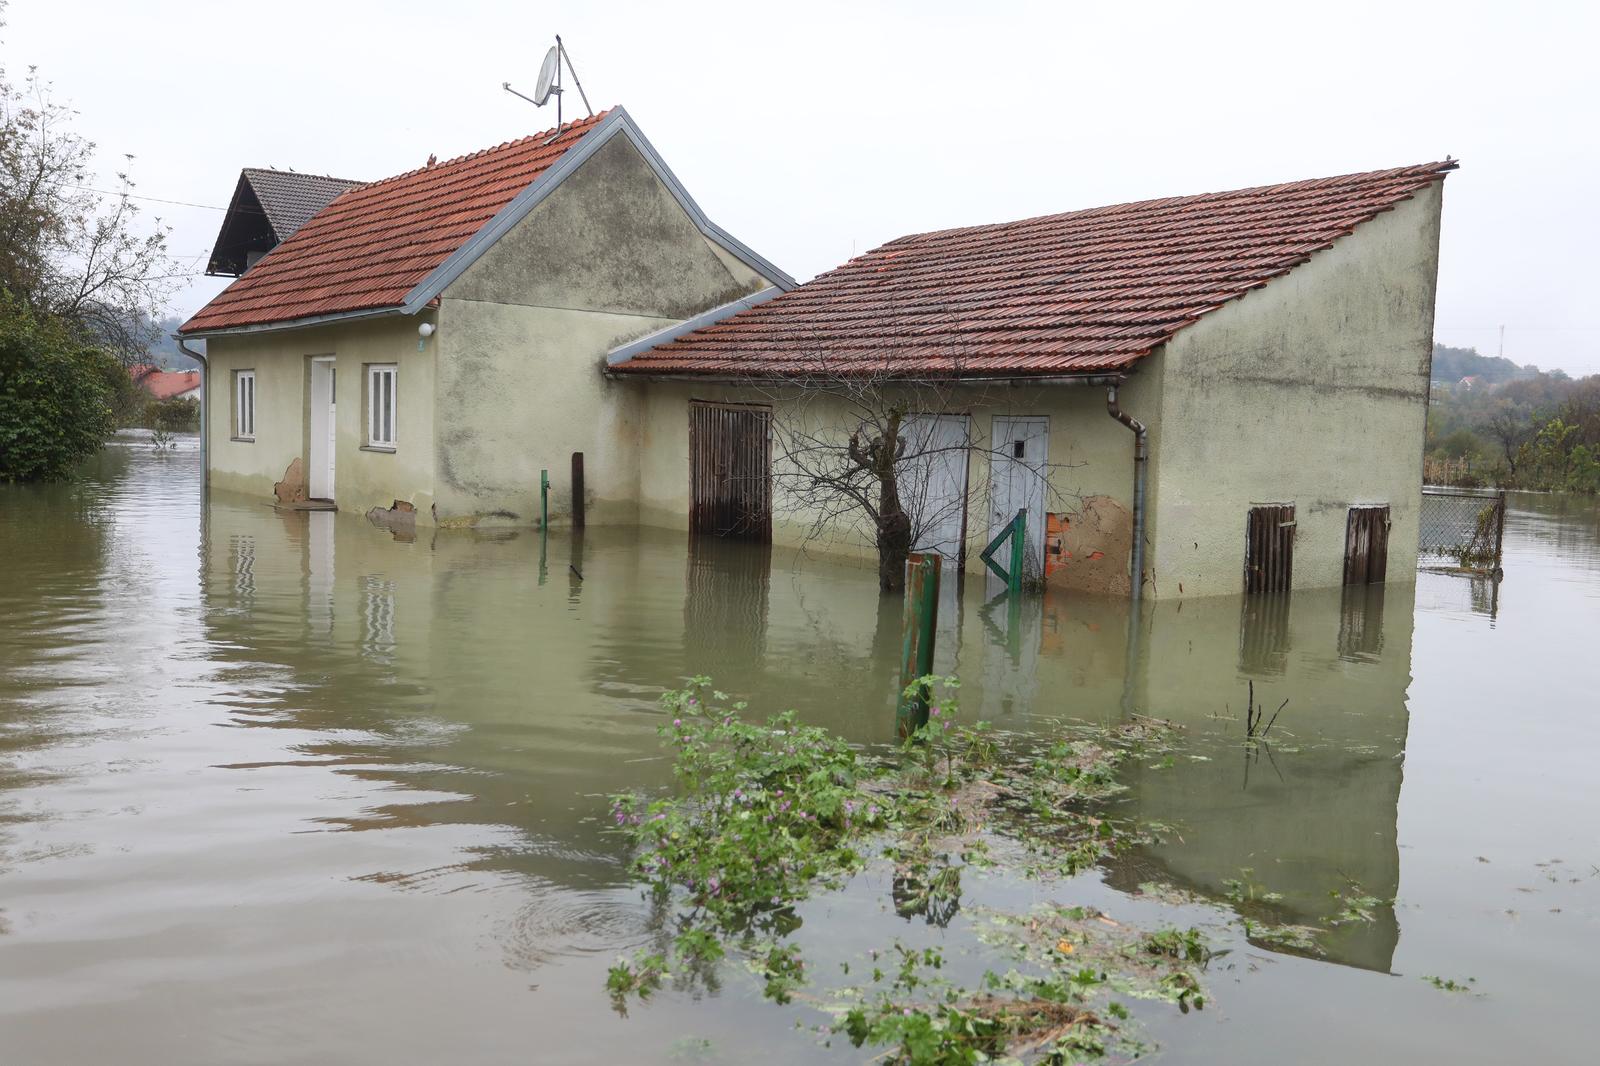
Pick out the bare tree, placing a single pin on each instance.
(868, 450)
(68, 249)
(1511, 431)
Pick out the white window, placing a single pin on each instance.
(381, 399)
(244, 405)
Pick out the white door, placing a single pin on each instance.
(319, 467)
(933, 484)
(1020, 451)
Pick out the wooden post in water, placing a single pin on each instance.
(1499, 532)
(577, 490)
(916, 649)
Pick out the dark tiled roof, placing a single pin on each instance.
(290, 199)
(1088, 291)
(375, 243)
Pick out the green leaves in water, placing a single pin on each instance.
(765, 814)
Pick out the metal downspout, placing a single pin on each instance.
(1141, 466)
(205, 425)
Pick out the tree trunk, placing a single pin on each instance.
(894, 547)
(894, 525)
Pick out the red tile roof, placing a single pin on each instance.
(164, 384)
(1087, 291)
(368, 248)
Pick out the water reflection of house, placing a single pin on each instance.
(1311, 810)
(496, 683)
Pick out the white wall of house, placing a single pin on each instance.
(1313, 391)
(281, 360)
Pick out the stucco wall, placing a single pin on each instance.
(1090, 456)
(1313, 391)
(362, 479)
(608, 257)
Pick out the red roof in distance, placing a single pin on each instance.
(373, 244)
(164, 384)
(1083, 292)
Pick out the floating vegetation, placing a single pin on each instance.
(765, 815)
(1243, 890)
(1355, 905)
(1445, 984)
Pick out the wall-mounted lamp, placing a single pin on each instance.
(424, 331)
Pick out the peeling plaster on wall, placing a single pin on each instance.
(292, 489)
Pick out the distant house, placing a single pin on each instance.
(1470, 382)
(268, 207)
(167, 384)
(440, 337)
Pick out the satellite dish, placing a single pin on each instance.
(549, 70)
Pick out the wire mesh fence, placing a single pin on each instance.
(1462, 528)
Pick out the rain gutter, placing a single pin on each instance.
(1141, 466)
(205, 427)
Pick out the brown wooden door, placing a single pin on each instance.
(1269, 548)
(1366, 545)
(730, 470)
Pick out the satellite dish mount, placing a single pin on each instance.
(549, 83)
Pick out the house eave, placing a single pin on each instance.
(302, 323)
(771, 380)
(622, 353)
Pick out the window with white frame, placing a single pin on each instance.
(244, 405)
(382, 398)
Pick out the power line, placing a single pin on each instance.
(152, 199)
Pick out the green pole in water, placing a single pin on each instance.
(916, 650)
(544, 499)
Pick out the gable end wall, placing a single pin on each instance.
(607, 257)
(1313, 391)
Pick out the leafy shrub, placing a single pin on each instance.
(55, 397)
(173, 415)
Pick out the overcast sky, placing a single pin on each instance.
(812, 131)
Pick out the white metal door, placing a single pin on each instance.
(1020, 452)
(319, 472)
(933, 483)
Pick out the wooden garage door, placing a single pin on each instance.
(1366, 545)
(730, 470)
(1269, 549)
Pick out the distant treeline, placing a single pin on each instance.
(1514, 426)
(1451, 365)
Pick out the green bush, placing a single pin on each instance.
(173, 415)
(55, 397)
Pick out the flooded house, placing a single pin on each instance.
(1215, 392)
(435, 339)
(1183, 397)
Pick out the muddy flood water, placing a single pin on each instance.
(288, 788)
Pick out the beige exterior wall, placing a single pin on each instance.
(513, 372)
(608, 257)
(282, 362)
(1090, 457)
(1313, 391)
